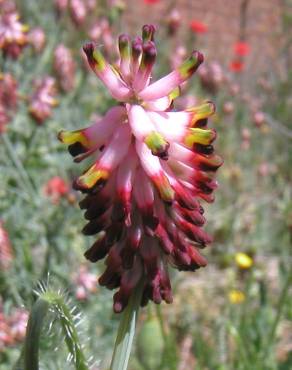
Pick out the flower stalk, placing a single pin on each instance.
(126, 332)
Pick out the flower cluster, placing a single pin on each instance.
(101, 31)
(78, 9)
(64, 67)
(12, 327)
(37, 38)
(43, 99)
(8, 99)
(152, 165)
(13, 34)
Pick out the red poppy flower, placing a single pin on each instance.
(241, 48)
(56, 188)
(236, 66)
(198, 27)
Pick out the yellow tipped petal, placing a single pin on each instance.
(202, 111)
(157, 144)
(99, 59)
(72, 137)
(175, 93)
(92, 176)
(189, 66)
(199, 136)
(165, 190)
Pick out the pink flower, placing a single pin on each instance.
(101, 32)
(152, 165)
(18, 322)
(78, 11)
(43, 99)
(6, 253)
(228, 107)
(259, 118)
(8, 99)
(241, 48)
(37, 38)
(64, 67)
(211, 76)
(12, 34)
(4, 119)
(8, 91)
(12, 327)
(85, 283)
(61, 5)
(174, 20)
(198, 27)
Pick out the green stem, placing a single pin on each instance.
(18, 164)
(126, 332)
(33, 332)
(280, 308)
(54, 301)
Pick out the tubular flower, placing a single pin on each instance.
(152, 165)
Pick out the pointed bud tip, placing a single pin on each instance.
(213, 106)
(199, 56)
(124, 39)
(148, 31)
(88, 49)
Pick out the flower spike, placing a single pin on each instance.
(152, 166)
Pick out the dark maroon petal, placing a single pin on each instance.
(96, 225)
(98, 250)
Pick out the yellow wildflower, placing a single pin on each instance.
(236, 296)
(243, 261)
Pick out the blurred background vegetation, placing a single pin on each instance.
(234, 314)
